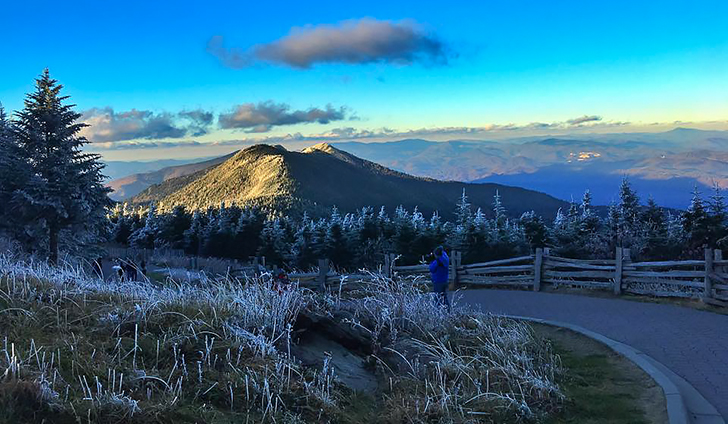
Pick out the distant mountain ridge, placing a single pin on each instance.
(132, 185)
(664, 165)
(320, 177)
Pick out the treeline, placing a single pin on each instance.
(361, 238)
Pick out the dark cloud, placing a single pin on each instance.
(107, 125)
(263, 116)
(584, 119)
(199, 121)
(353, 42)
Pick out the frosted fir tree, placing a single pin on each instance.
(614, 219)
(145, 237)
(717, 218)
(14, 173)
(695, 221)
(654, 216)
(303, 246)
(654, 221)
(336, 247)
(500, 217)
(534, 230)
(171, 228)
(629, 207)
(480, 220)
(66, 191)
(274, 244)
(589, 220)
(463, 211)
(418, 220)
(193, 236)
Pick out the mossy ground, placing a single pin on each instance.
(601, 386)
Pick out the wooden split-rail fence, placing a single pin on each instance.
(705, 279)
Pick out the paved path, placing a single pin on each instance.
(691, 343)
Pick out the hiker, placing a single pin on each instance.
(131, 270)
(119, 269)
(439, 269)
(281, 282)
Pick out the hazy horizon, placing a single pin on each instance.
(187, 79)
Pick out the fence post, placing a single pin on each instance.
(708, 270)
(718, 256)
(387, 266)
(618, 265)
(537, 264)
(453, 274)
(323, 270)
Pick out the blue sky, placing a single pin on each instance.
(630, 64)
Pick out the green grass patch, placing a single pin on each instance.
(601, 386)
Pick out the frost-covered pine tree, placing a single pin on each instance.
(629, 207)
(718, 233)
(589, 220)
(66, 190)
(303, 249)
(534, 229)
(145, 237)
(13, 171)
(462, 211)
(274, 244)
(193, 236)
(613, 228)
(695, 221)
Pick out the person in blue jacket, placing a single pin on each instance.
(439, 269)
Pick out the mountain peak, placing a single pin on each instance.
(322, 176)
(321, 147)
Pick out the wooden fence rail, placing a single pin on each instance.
(702, 279)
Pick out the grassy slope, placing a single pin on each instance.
(79, 350)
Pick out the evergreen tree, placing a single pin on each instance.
(655, 222)
(695, 222)
(273, 243)
(534, 229)
(146, 236)
(654, 216)
(717, 231)
(65, 190)
(629, 205)
(614, 218)
(303, 249)
(193, 236)
(589, 220)
(172, 228)
(14, 174)
(500, 216)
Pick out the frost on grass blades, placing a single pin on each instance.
(77, 349)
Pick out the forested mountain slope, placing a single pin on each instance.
(321, 177)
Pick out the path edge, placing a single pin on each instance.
(677, 412)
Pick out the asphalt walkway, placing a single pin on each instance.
(691, 343)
